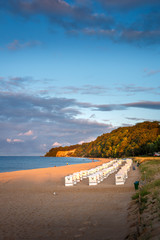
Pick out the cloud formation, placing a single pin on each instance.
(16, 140)
(137, 89)
(150, 73)
(143, 105)
(23, 84)
(28, 133)
(67, 15)
(90, 139)
(140, 36)
(50, 120)
(108, 20)
(54, 109)
(137, 119)
(127, 4)
(17, 45)
(56, 144)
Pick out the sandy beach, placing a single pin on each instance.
(36, 205)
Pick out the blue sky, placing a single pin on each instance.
(73, 70)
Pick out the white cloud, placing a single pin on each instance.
(90, 139)
(18, 140)
(9, 140)
(56, 144)
(81, 142)
(29, 133)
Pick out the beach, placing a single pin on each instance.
(36, 205)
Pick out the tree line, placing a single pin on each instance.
(141, 139)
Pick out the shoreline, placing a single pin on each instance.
(42, 174)
(140, 159)
(47, 167)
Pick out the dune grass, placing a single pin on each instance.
(149, 169)
(150, 187)
(147, 200)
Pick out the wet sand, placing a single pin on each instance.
(35, 204)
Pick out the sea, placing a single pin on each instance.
(17, 163)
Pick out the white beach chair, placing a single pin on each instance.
(119, 179)
(69, 180)
(93, 180)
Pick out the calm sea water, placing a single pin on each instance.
(9, 164)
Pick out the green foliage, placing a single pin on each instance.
(155, 184)
(141, 139)
(135, 196)
(144, 191)
(152, 184)
(149, 169)
(144, 199)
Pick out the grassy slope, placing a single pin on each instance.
(147, 199)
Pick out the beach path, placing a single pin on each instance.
(35, 205)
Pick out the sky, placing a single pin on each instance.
(73, 70)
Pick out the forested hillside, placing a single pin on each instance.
(141, 139)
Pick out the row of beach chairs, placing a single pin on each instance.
(122, 174)
(95, 175)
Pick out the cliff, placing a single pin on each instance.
(65, 153)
